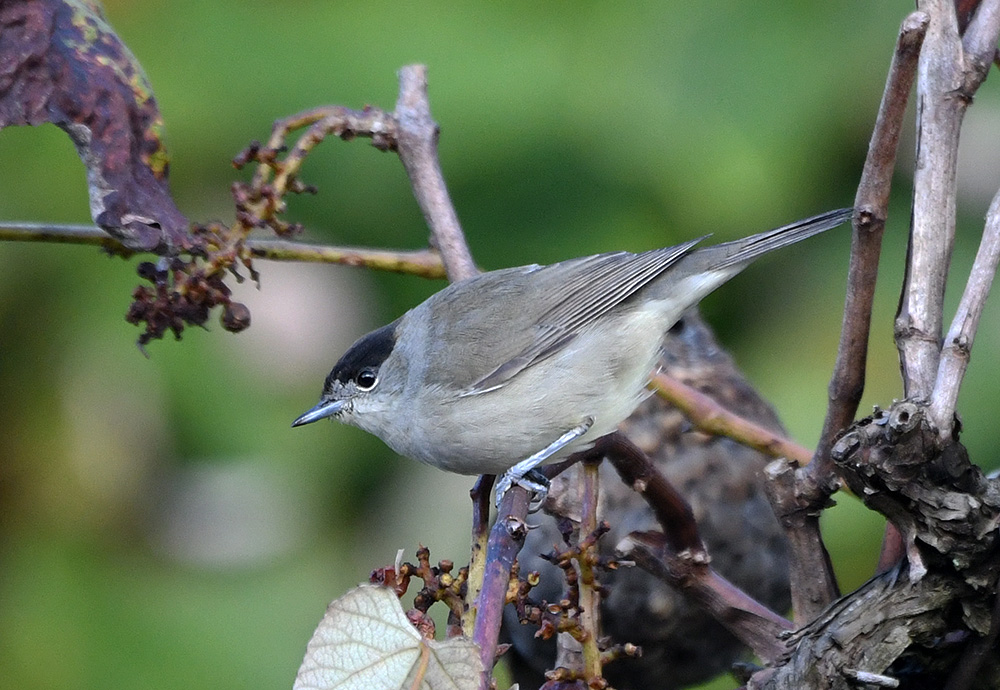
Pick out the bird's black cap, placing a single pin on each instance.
(368, 352)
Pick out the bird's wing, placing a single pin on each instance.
(580, 291)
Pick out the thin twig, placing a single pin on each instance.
(506, 539)
(62, 234)
(979, 45)
(671, 509)
(813, 585)
(813, 582)
(980, 41)
(958, 344)
(417, 145)
(871, 206)
(678, 555)
(345, 123)
(941, 105)
(589, 598)
(709, 416)
(752, 623)
(480, 495)
(425, 263)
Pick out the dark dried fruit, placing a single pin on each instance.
(235, 317)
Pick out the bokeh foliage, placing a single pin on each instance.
(161, 526)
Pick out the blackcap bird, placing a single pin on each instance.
(510, 369)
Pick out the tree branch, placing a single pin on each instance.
(678, 556)
(712, 418)
(871, 205)
(590, 596)
(813, 584)
(506, 539)
(480, 495)
(671, 509)
(754, 625)
(980, 41)
(425, 263)
(958, 345)
(798, 496)
(417, 146)
(979, 45)
(941, 105)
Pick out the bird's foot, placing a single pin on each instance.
(533, 481)
(519, 473)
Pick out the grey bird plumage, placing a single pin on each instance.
(494, 369)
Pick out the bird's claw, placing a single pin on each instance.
(532, 480)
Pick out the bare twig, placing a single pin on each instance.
(506, 539)
(753, 624)
(941, 108)
(799, 495)
(958, 344)
(942, 98)
(871, 206)
(813, 580)
(712, 418)
(417, 145)
(373, 123)
(590, 598)
(425, 263)
(951, 71)
(671, 509)
(62, 234)
(979, 45)
(980, 42)
(678, 556)
(480, 495)
(261, 201)
(813, 585)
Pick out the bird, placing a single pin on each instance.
(509, 369)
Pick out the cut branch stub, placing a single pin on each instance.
(947, 510)
(60, 62)
(911, 622)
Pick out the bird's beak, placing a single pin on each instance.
(321, 411)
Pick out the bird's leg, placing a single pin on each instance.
(518, 474)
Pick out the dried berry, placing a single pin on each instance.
(235, 317)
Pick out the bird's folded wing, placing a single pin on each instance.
(583, 290)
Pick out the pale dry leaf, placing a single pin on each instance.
(365, 641)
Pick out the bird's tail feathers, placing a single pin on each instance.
(754, 246)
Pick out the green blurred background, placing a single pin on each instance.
(162, 526)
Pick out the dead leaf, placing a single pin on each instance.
(61, 62)
(365, 641)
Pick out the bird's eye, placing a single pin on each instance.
(366, 379)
